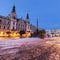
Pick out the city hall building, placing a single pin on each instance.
(12, 23)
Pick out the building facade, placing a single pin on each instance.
(53, 33)
(12, 23)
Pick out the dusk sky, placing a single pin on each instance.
(46, 11)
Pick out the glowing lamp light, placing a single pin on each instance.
(28, 35)
(1, 34)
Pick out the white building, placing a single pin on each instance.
(53, 32)
(12, 23)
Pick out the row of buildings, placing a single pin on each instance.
(12, 23)
(53, 33)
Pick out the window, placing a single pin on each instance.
(0, 21)
(0, 26)
(8, 22)
(8, 28)
(19, 24)
(13, 23)
(13, 28)
(14, 17)
(4, 27)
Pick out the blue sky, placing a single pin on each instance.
(46, 11)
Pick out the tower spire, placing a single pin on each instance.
(27, 17)
(14, 10)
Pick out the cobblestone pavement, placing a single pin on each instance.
(44, 49)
